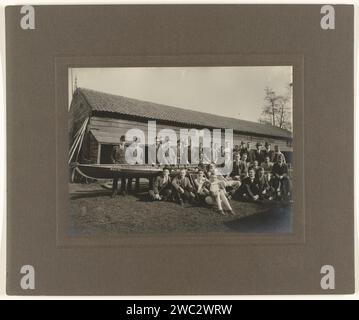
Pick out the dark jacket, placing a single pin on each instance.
(278, 170)
(256, 155)
(250, 187)
(263, 183)
(265, 153)
(118, 154)
(236, 170)
(243, 151)
(244, 166)
(267, 166)
(184, 183)
(160, 184)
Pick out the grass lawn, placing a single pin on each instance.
(94, 212)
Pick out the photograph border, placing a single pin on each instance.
(62, 64)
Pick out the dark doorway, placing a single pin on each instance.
(106, 151)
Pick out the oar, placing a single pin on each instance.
(77, 142)
(82, 138)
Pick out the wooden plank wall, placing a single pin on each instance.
(120, 127)
(93, 152)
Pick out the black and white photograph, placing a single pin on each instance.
(178, 152)
(180, 149)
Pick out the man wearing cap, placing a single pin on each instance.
(236, 151)
(118, 157)
(248, 148)
(276, 154)
(257, 155)
(244, 165)
(236, 170)
(243, 149)
(267, 152)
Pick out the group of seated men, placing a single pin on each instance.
(259, 174)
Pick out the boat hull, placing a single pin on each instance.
(111, 171)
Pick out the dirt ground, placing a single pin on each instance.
(94, 212)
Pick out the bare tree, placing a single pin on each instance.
(276, 110)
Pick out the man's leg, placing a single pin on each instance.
(178, 197)
(137, 184)
(152, 195)
(166, 194)
(188, 196)
(276, 186)
(114, 187)
(225, 201)
(129, 184)
(286, 187)
(123, 186)
(219, 203)
(239, 194)
(150, 183)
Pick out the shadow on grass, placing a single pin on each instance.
(277, 219)
(90, 194)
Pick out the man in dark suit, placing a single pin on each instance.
(236, 151)
(250, 189)
(183, 189)
(281, 178)
(236, 170)
(244, 165)
(265, 189)
(243, 148)
(118, 157)
(162, 187)
(256, 154)
(267, 152)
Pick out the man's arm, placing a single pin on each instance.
(155, 185)
(277, 175)
(266, 183)
(249, 191)
(285, 174)
(188, 184)
(175, 183)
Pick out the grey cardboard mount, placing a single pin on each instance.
(37, 61)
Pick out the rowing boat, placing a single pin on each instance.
(110, 171)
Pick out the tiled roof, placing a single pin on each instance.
(105, 102)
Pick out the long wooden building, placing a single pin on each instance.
(107, 117)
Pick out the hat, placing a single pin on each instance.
(258, 144)
(267, 144)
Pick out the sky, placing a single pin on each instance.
(236, 92)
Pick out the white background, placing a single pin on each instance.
(4, 3)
